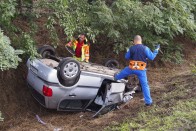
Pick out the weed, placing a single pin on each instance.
(194, 69)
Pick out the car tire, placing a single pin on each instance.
(63, 59)
(46, 51)
(67, 83)
(68, 71)
(112, 63)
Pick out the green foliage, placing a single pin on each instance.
(24, 41)
(7, 12)
(173, 53)
(74, 16)
(194, 69)
(8, 55)
(52, 31)
(157, 21)
(28, 45)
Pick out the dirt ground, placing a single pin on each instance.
(19, 109)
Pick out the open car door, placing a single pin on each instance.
(112, 96)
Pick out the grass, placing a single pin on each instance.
(180, 117)
(175, 110)
(194, 69)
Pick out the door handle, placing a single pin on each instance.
(72, 95)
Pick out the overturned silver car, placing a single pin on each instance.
(68, 85)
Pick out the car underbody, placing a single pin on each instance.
(69, 85)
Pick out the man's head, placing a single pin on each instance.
(82, 37)
(137, 39)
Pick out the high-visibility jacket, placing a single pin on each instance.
(85, 51)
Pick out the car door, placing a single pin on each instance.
(112, 97)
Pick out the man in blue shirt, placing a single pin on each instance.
(138, 55)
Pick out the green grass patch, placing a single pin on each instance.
(194, 69)
(174, 110)
(180, 117)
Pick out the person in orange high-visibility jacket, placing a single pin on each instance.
(81, 48)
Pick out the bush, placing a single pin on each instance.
(115, 21)
(22, 40)
(8, 55)
(28, 45)
(7, 12)
(156, 21)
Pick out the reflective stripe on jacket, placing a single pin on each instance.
(85, 51)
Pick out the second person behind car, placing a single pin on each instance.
(80, 47)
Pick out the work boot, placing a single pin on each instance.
(115, 75)
(148, 105)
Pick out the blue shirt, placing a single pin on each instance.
(140, 52)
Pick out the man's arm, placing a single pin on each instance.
(72, 44)
(151, 55)
(69, 44)
(128, 55)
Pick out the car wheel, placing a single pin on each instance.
(46, 51)
(67, 83)
(63, 59)
(69, 71)
(112, 63)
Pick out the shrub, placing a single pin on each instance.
(158, 22)
(8, 55)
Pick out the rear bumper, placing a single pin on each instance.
(36, 85)
(39, 97)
